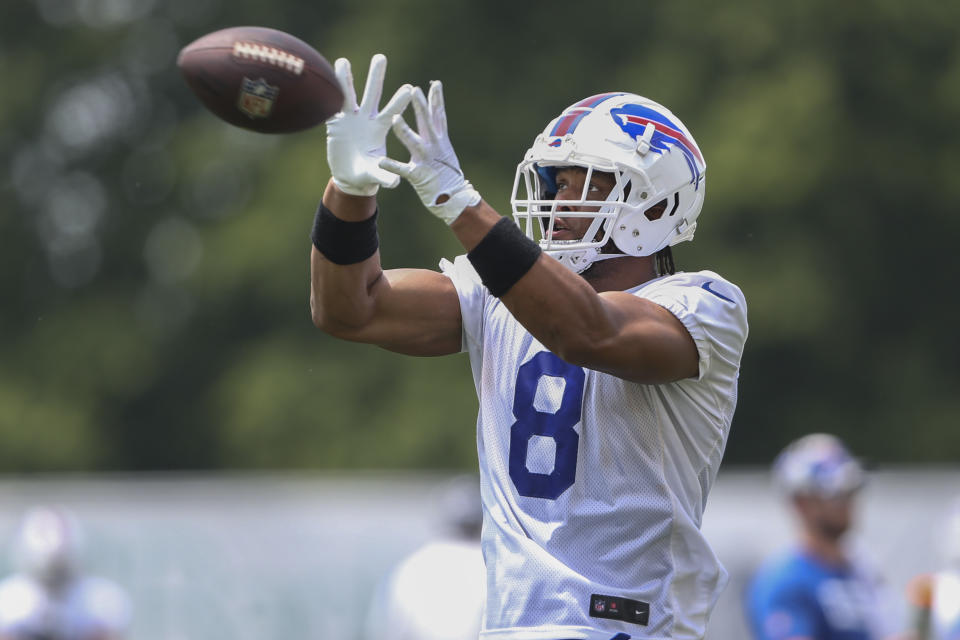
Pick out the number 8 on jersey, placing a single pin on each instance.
(558, 426)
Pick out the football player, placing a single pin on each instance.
(935, 597)
(820, 589)
(607, 381)
(50, 598)
(437, 592)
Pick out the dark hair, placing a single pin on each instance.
(664, 262)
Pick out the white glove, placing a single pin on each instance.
(433, 170)
(357, 135)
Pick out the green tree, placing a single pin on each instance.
(154, 268)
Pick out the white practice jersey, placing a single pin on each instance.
(945, 614)
(436, 593)
(86, 609)
(594, 487)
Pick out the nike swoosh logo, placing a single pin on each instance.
(706, 287)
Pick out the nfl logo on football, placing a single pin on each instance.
(256, 98)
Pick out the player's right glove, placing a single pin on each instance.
(357, 135)
(433, 170)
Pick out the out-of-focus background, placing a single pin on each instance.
(255, 556)
(159, 372)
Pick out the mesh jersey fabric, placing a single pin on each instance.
(595, 485)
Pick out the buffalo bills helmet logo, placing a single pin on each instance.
(633, 119)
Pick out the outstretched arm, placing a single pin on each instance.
(411, 311)
(351, 297)
(614, 332)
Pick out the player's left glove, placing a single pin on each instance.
(433, 170)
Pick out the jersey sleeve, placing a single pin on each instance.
(473, 296)
(713, 310)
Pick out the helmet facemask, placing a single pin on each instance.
(536, 209)
(651, 165)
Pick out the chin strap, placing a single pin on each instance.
(581, 260)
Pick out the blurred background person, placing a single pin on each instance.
(820, 589)
(50, 597)
(438, 591)
(935, 597)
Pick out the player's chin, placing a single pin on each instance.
(834, 530)
(564, 233)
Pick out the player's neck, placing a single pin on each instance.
(830, 551)
(620, 274)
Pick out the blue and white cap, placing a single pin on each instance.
(48, 545)
(818, 464)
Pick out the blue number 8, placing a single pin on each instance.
(558, 426)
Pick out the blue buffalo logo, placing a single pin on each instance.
(633, 120)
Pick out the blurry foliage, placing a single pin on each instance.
(154, 263)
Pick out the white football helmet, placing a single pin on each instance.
(650, 153)
(818, 464)
(48, 546)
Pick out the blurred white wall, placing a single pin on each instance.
(298, 556)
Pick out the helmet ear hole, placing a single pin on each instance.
(656, 211)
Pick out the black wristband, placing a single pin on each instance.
(503, 256)
(343, 242)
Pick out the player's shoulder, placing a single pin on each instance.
(698, 283)
(784, 565)
(20, 598)
(14, 582)
(18, 584)
(864, 566)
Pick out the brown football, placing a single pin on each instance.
(261, 79)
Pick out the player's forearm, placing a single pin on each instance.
(558, 307)
(563, 312)
(341, 296)
(348, 207)
(613, 332)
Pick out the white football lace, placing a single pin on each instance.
(270, 55)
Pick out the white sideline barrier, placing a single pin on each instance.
(297, 556)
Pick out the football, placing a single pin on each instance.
(261, 79)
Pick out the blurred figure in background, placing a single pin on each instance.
(438, 591)
(50, 598)
(935, 597)
(819, 589)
